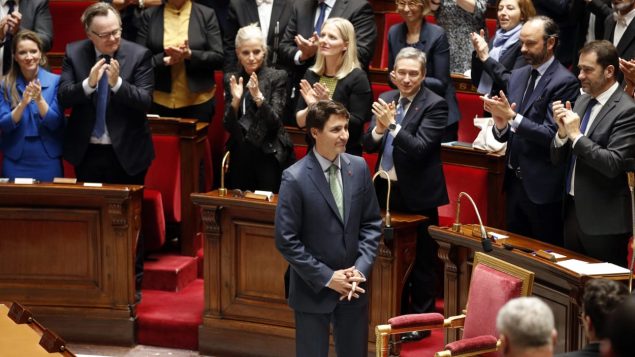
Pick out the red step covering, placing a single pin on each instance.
(169, 272)
(171, 319)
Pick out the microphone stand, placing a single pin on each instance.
(224, 167)
(486, 242)
(388, 232)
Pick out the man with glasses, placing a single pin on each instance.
(108, 82)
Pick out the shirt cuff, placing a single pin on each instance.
(117, 85)
(516, 122)
(501, 132)
(88, 90)
(575, 140)
(296, 58)
(559, 142)
(376, 137)
(396, 131)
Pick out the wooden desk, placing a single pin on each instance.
(67, 253)
(560, 288)
(246, 312)
(192, 134)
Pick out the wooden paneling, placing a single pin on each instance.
(67, 253)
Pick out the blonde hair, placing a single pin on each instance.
(350, 61)
(9, 83)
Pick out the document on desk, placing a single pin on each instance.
(585, 268)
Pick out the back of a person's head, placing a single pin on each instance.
(526, 322)
(620, 331)
(601, 297)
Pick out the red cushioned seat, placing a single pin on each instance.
(153, 220)
(66, 24)
(470, 106)
(471, 180)
(300, 151)
(69, 170)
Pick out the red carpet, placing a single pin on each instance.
(171, 319)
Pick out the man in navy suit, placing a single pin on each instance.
(406, 131)
(328, 229)
(532, 183)
(593, 140)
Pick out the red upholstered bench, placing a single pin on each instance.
(470, 106)
(67, 26)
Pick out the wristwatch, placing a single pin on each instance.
(392, 126)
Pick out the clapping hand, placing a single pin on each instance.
(501, 110)
(384, 115)
(176, 54)
(567, 120)
(32, 92)
(252, 85)
(480, 45)
(236, 88)
(307, 46)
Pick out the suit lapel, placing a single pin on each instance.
(627, 37)
(606, 109)
(338, 8)
(609, 31)
(347, 183)
(319, 180)
(540, 86)
(413, 110)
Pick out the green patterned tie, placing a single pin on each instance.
(336, 189)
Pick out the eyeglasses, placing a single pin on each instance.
(402, 4)
(116, 34)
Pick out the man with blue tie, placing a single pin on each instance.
(108, 81)
(533, 184)
(406, 130)
(327, 226)
(593, 149)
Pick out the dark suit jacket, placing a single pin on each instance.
(354, 92)
(36, 17)
(244, 12)
(560, 12)
(314, 239)
(261, 127)
(126, 116)
(602, 199)
(499, 70)
(417, 150)
(204, 39)
(626, 46)
(358, 12)
(434, 43)
(542, 180)
(590, 350)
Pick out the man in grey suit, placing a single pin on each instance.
(328, 228)
(31, 15)
(597, 208)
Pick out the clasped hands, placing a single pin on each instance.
(567, 120)
(32, 92)
(346, 283)
(502, 112)
(384, 115)
(111, 69)
(10, 24)
(315, 93)
(176, 54)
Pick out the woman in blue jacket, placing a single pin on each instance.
(31, 123)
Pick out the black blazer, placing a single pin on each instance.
(261, 127)
(433, 41)
(244, 12)
(36, 17)
(204, 39)
(499, 70)
(126, 116)
(358, 12)
(354, 92)
(543, 181)
(417, 150)
(626, 46)
(602, 198)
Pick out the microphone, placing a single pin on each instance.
(486, 242)
(388, 232)
(224, 167)
(629, 167)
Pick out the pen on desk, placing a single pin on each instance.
(350, 293)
